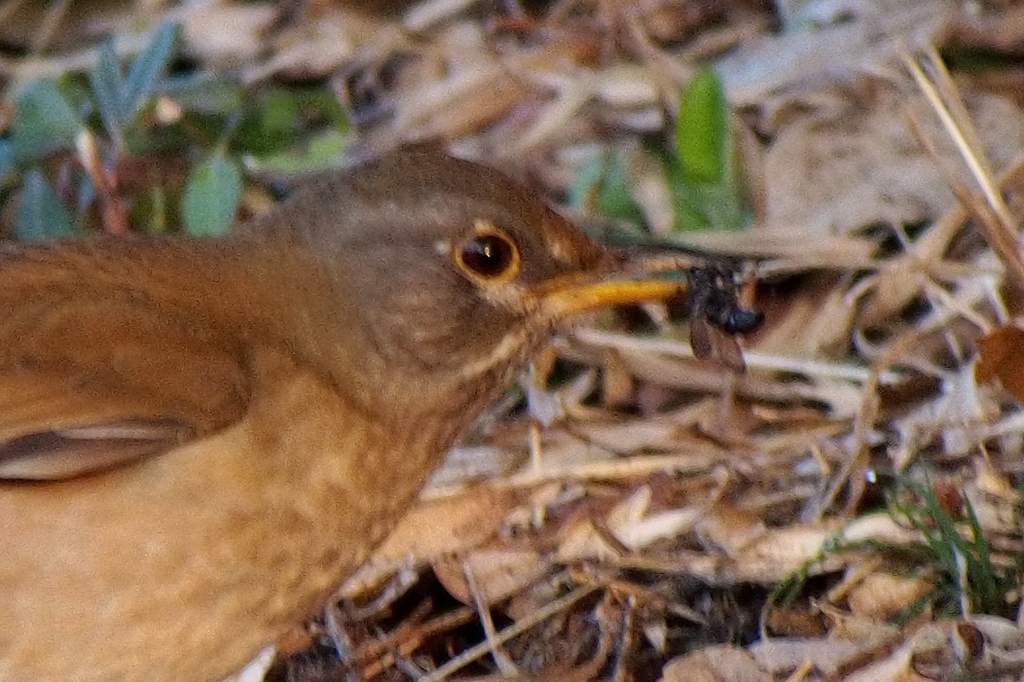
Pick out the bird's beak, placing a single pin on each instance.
(575, 298)
(628, 282)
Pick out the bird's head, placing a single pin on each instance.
(455, 272)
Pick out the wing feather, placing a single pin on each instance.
(95, 375)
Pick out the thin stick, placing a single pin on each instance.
(405, 640)
(776, 363)
(858, 458)
(972, 145)
(501, 659)
(481, 649)
(1001, 235)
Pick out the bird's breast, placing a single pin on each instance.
(184, 565)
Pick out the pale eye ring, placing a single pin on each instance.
(489, 255)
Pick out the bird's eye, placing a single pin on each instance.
(489, 255)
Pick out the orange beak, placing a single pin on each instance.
(630, 282)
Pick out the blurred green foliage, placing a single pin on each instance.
(701, 168)
(211, 196)
(604, 187)
(119, 96)
(958, 549)
(44, 123)
(168, 149)
(703, 173)
(39, 212)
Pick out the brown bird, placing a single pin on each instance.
(199, 439)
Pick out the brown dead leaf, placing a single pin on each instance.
(991, 28)
(498, 573)
(777, 553)
(1001, 356)
(814, 321)
(731, 529)
(844, 625)
(883, 595)
(794, 621)
(995, 502)
(996, 484)
(715, 664)
(781, 655)
(632, 524)
(895, 668)
(937, 650)
(434, 528)
(531, 600)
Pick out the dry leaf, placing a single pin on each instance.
(779, 552)
(815, 321)
(731, 529)
(1000, 632)
(467, 463)
(794, 621)
(781, 655)
(935, 651)
(1001, 356)
(632, 525)
(995, 502)
(883, 595)
(83, 21)
(498, 573)
(434, 528)
(715, 664)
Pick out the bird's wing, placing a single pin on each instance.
(98, 371)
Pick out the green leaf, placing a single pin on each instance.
(7, 160)
(603, 186)
(44, 122)
(108, 89)
(119, 98)
(211, 197)
(279, 112)
(149, 211)
(280, 118)
(702, 173)
(703, 142)
(325, 102)
(40, 214)
(271, 124)
(704, 206)
(321, 151)
(689, 214)
(205, 94)
(85, 199)
(147, 68)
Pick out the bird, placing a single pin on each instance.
(200, 438)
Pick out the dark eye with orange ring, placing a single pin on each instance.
(490, 256)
